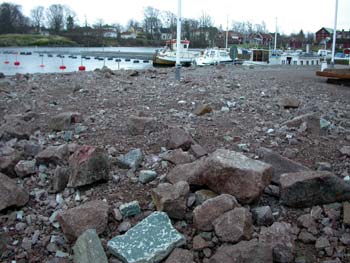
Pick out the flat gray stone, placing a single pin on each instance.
(88, 248)
(151, 240)
(147, 176)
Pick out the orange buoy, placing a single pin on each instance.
(63, 67)
(81, 68)
(7, 62)
(16, 63)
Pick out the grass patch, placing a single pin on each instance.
(34, 40)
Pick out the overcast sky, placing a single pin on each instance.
(292, 15)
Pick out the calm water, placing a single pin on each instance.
(32, 63)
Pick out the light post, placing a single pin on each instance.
(178, 43)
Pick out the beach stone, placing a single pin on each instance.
(64, 120)
(279, 163)
(281, 235)
(272, 190)
(282, 254)
(151, 240)
(9, 157)
(131, 160)
(180, 255)
(322, 243)
(234, 226)
(310, 120)
(345, 239)
(171, 199)
(305, 189)
(31, 148)
(346, 214)
(262, 216)
(147, 176)
(226, 171)
(59, 180)
(130, 209)
(345, 150)
(199, 243)
(139, 125)
(25, 168)
(178, 138)
(87, 165)
(16, 129)
(205, 214)
(202, 109)
(290, 102)
(203, 195)
(198, 151)
(124, 226)
(11, 194)
(88, 248)
(245, 251)
(306, 237)
(90, 215)
(306, 221)
(178, 156)
(53, 154)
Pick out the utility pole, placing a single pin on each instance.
(178, 43)
(334, 33)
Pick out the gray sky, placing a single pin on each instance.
(292, 15)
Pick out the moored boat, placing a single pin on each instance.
(213, 56)
(167, 55)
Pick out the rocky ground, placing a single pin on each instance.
(250, 164)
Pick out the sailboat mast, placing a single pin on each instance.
(275, 47)
(334, 31)
(226, 32)
(178, 42)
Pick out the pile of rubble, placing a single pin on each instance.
(63, 199)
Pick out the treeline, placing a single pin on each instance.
(153, 29)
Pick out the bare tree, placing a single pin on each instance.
(37, 17)
(205, 20)
(132, 25)
(151, 22)
(11, 19)
(55, 18)
(169, 20)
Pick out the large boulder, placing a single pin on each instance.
(306, 189)
(53, 154)
(149, 241)
(244, 252)
(279, 163)
(64, 120)
(205, 214)
(171, 199)
(234, 226)
(226, 171)
(9, 157)
(88, 248)
(10, 193)
(91, 215)
(88, 165)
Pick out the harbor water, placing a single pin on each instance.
(50, 60)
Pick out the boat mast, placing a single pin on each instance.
(178, 42)
(275, 37)
(334, 32)
(226, 32)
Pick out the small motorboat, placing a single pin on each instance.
(213, 56)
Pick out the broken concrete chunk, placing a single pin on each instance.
(149, 241)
